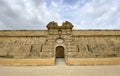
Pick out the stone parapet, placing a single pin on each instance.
(22, 33)
(95, 33)
(31, 61)
(93, 61)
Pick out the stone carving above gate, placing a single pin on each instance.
(65, 25)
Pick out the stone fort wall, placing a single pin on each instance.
(81, 46)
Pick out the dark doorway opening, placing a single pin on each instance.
(59, 52)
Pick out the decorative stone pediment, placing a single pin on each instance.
(65, 25)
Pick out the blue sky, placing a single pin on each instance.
(36, 14)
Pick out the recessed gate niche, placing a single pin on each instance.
(59, 52)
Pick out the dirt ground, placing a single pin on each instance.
(60, 69)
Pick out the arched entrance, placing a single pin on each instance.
(60, 52)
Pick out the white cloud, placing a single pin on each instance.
(98, 15)
(35, 14)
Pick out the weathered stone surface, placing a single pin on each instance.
(32, 61)
(93, 61)
(78, 45)
(14, 50)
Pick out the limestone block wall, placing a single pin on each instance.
(21, 33)
(19, 46)
(93, 61)
(22, 40)
(77, 44)
(22, 44)
(97, 44)
(27, 62)
(95, 32)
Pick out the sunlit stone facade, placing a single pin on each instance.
(42, 47)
